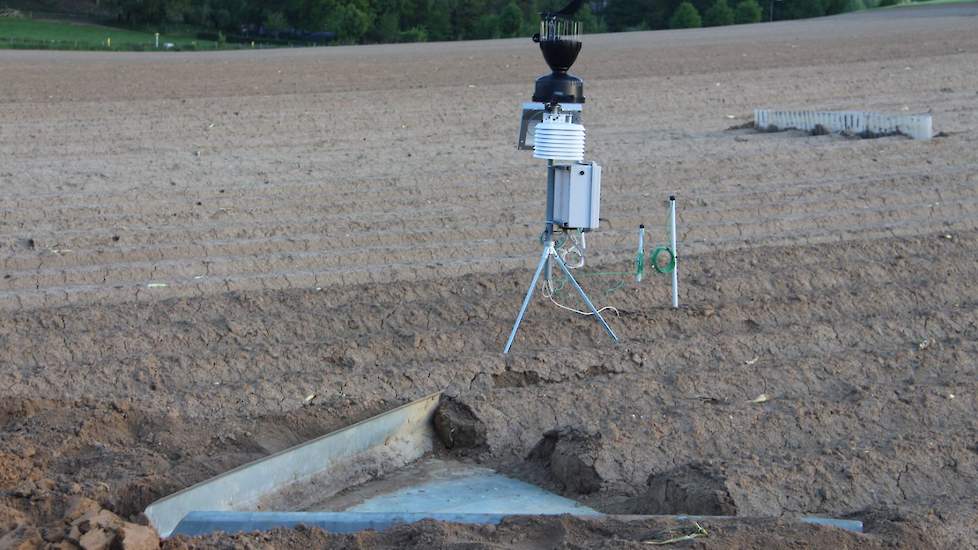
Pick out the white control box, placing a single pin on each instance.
(577, 195)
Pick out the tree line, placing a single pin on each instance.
(380, 21)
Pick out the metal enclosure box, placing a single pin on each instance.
(577, 195)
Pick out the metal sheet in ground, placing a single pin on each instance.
(433, 485)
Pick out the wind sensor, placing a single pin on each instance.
(553, 119)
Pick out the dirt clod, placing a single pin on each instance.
(136, 537)
(572, 457)
(695, 489)
(458, 427)
(80, 507)
(96, 539)
(21, 537)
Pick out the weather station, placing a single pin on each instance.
(551, 127)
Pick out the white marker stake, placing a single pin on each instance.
(640, 255)
(675, 254)
(157, 41)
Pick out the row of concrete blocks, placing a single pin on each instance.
(855, 122)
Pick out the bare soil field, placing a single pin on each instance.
(193, 243)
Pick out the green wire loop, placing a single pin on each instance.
(640, 259)
(654, 260)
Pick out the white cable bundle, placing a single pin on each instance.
(559, 139)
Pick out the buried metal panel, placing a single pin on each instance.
(457, 488)
(405, 430)
(203, 523)
(853, 525)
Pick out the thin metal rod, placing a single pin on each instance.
(580, 291)
(640, 255)
(675, 253)
(548, 231)
(544, 258)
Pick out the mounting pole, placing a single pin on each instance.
(675, 253)
(548, 231)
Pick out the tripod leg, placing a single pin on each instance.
(529, 294)
(584, 297)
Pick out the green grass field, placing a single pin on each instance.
(933, 2)
(62, 35)
(909, 4)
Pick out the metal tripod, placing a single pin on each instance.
(550, 253)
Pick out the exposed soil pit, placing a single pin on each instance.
(373, 474)
(391, 469)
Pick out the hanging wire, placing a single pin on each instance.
(556, 287)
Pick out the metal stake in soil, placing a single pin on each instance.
(675, 253)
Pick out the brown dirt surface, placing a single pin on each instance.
(192, 243)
